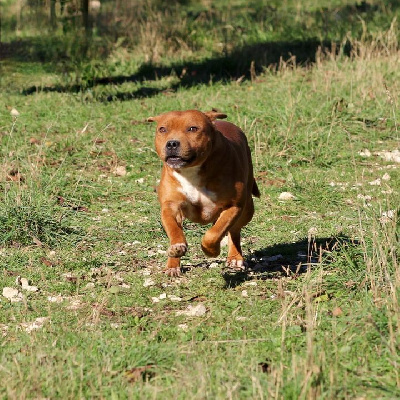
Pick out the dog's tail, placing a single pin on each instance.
(255, 191)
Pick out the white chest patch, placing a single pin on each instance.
(195, 194)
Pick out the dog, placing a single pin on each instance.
(207, 177)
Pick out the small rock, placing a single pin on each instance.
(3, 330)
(193, 311)
(364, 197)
(148, 282)
(365, 153)
(14, 112)
(285, 196)
(172, 297)
(14, 295)
(386, 216)
(224, 241)
(120, 170)
(36, 324)
(386, 177)
(76, 304)
(391, 156)
(140, 180)
(162, 296)
(272, 258)
(124, 285)
(25, 284)
(376, 182)
(183, 327)
(244, 293)
(213, 265)
(90, 285)
(55, 299)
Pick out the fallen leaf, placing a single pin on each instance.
(198, 298)
(62, 202)
(33, 140)
(46, 261)
(265, 367)
(337, 311)
(15, 176)
(37, 241)
(140, 373)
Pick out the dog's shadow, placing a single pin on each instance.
(285, 260)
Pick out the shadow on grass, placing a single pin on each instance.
(242, 63)
(286, 260)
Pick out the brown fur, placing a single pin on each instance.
(207, 177)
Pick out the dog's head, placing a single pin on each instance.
(184, 138)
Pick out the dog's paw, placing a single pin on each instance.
(210, 249)
(177, 250)
(236, 264)
(172, 272)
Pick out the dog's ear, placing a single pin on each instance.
(213, 115)
(152, 119)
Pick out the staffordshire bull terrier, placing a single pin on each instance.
(207, 177)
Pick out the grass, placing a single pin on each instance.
(317, 313)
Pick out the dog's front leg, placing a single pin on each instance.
(172, 221)
(212, 239)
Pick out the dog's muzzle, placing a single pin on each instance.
(173, 156)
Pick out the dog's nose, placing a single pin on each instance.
(173, 144)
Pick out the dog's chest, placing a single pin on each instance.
(200, 202)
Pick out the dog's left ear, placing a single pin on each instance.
(213, 115)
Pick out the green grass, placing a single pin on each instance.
(319, 321)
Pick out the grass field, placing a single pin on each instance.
(317, 313)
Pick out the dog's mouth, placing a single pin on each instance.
(178, 162)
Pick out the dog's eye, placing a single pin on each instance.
(162, 129)
(193, 129)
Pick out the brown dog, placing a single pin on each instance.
(207, 177)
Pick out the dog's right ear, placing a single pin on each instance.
(214, 114)
(152, 119)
